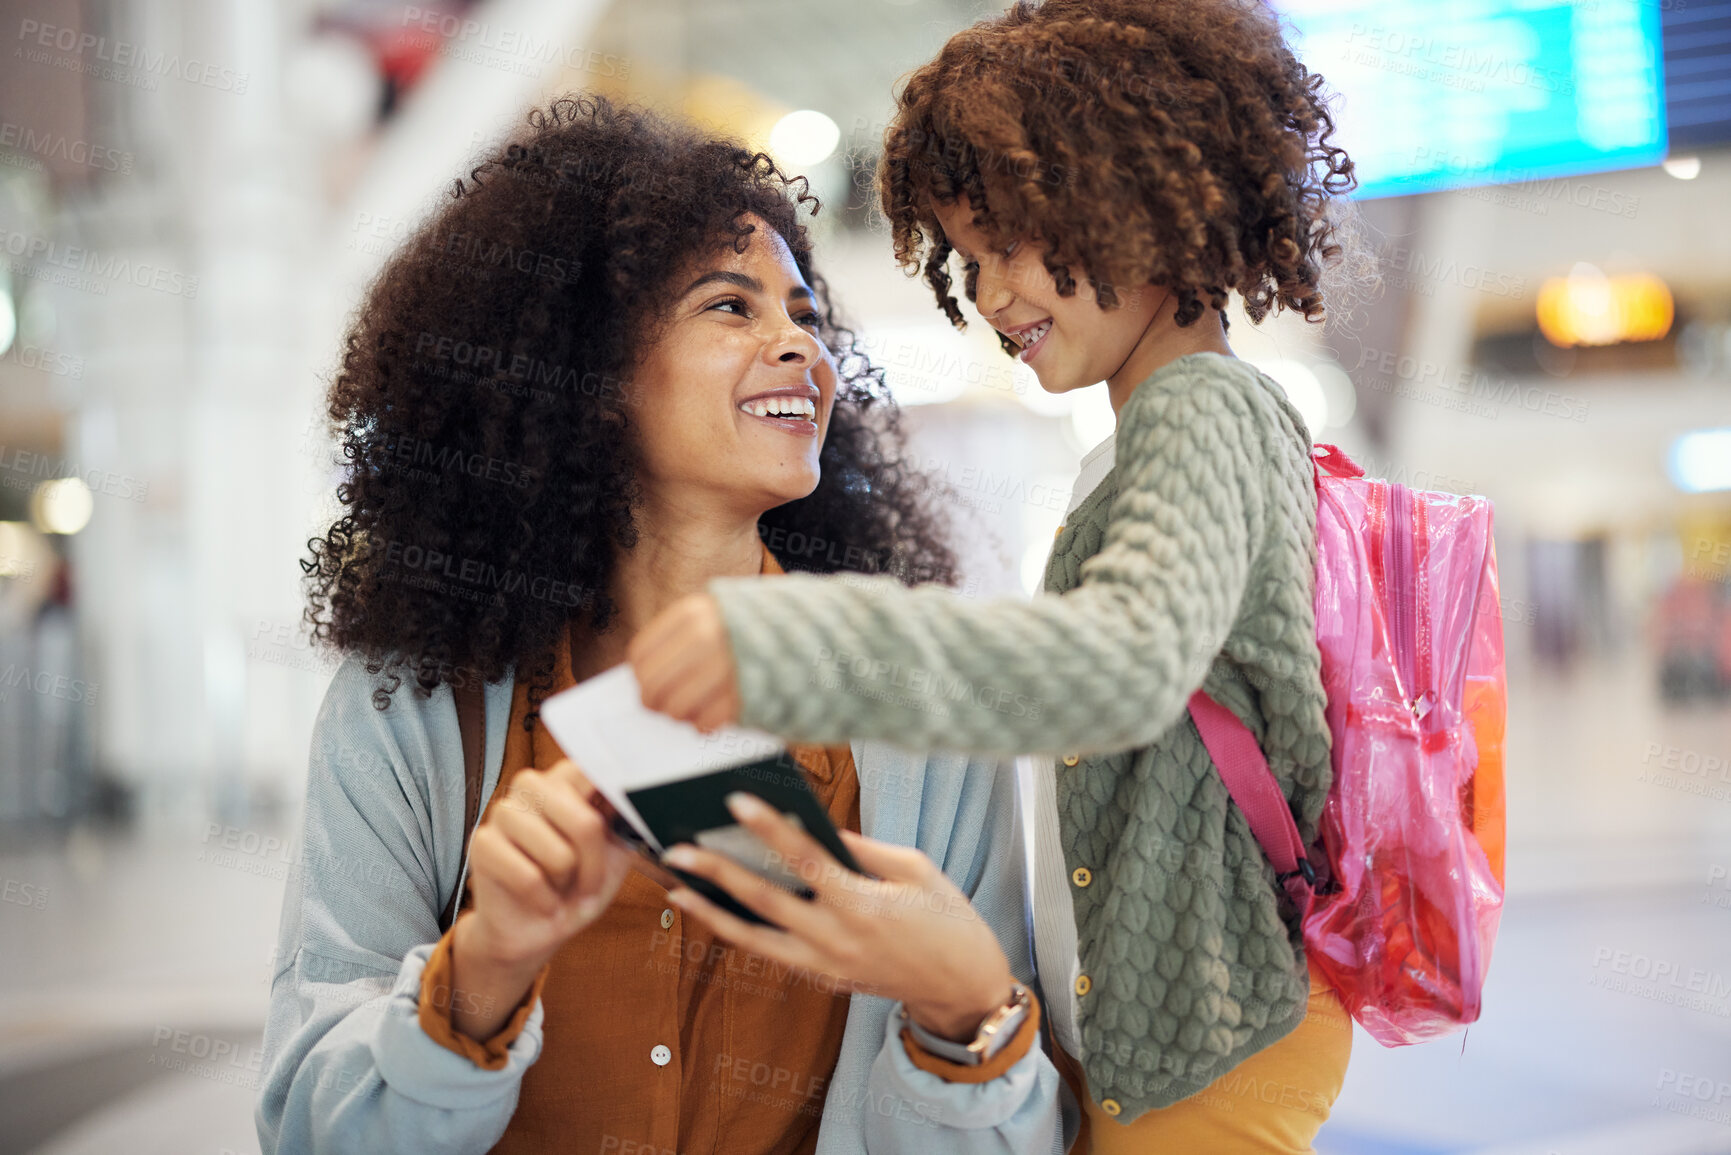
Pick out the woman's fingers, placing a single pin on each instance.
(568, 808)
(537, 840)
(798, 851)
(548, 816)
(759, 940)
(887, 860)
(595, 892)
(764, 897)
(495, 861)
(566, 771)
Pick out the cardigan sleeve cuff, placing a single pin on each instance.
(938, 1056)
(436, 1001)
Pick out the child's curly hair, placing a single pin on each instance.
(1170, 142)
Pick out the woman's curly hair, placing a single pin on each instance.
(1169, 142)
(481, 409)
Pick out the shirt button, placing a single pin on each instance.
(666, 919)
(1072, 759)
(1082, 876)
(1111, 1107)
(1084, 984)
(660, 1056)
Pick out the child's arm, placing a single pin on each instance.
(1107, 666)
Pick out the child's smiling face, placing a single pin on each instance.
(1069, 342)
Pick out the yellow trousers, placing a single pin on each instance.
(1273, 1102)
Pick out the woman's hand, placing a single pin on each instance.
(684, 664)
(541, 868)
(909, 934)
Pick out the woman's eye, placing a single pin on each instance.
(734, 304)
(810, 318)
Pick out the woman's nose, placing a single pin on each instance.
(794, 345)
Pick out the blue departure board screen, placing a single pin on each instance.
(1434, 95)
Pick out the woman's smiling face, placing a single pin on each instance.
(732, 397)
(1069, 342)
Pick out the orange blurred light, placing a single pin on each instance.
(1589, 308)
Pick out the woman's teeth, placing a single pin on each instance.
(781, 407)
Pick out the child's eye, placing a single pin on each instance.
(1011, 250)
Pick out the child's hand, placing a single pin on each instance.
(684, 665)
(909, 934)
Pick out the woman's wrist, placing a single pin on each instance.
(485, 986)
(958, 1019)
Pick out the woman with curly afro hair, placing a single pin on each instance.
(601, 375)
(1109, 173)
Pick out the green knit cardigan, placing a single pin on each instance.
(1191, 564)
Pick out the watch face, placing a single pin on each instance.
(1001, 1027)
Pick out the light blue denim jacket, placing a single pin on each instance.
(348, 1068)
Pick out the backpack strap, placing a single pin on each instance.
(472, 729)
(1331, 459)
(1252, 785)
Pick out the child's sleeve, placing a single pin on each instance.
(1107, 666)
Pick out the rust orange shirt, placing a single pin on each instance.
(655, 1032)
(660, 1035)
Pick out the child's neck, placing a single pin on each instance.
(1162, 342)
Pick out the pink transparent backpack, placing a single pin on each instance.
(1401, 916)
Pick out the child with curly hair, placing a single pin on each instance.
(1109, 171)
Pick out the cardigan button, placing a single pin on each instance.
(1081, 876)
(1072, 759)
(666, 919)
(660, 1055)
(1111, 1107)
(1084, 984)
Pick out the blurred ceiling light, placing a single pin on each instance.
(62, 506)
(1302, 388)
(804, 138)
(1701, 461)
(1589, 308)
(1682, 167)
(8, 321)
(16, 540)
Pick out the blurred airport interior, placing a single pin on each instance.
(194, 193)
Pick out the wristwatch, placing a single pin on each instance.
(994, 1034)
